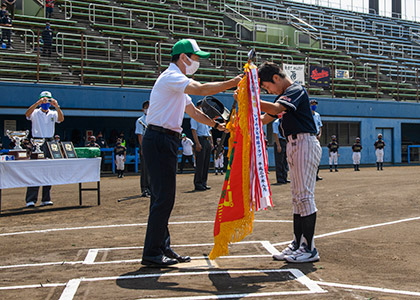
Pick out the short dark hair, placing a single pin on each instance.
(145, 103)
(174, 58)
(268, 69)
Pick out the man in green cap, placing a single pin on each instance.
(169, 100)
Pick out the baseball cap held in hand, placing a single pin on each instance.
(188, 46)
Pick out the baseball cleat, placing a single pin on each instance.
(286, 251)
(303, 255)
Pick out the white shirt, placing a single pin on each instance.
(168, 100)
(140, 128)
(317, 120)
(187, 146)
(43, 124)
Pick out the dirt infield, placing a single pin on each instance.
(368, 233)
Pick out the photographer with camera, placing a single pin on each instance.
(43, 126)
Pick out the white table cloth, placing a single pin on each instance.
(39, 172)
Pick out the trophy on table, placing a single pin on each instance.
(37, 154)
(17, 136)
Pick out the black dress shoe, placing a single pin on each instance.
(318, 178)
(162, 261)
(200, 188)
(207, 187)
(172, 254)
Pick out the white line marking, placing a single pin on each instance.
(90, 257)
(233, 296)
(356, 228)
(124, 225)
(303, 279)
(367, 288)
(42, 264)
(270, 248)
(71, 289)
(31, 286)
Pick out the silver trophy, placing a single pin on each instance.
(37, 154)
(17, 137)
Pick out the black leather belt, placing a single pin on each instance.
(46, 139)
(294, 136)
(164, 130)
(204, 137)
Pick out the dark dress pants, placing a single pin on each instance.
(203, 163)
(32, 192)
(144, 175)
(186, 159)
(281, 162)
(160, 155)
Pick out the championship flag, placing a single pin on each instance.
(246, 188)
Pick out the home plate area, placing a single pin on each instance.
(231, 277)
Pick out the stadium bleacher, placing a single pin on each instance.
(127, 42)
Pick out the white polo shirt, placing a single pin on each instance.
(140, 129)
(168, 100)
(43, 124)
(187, 146)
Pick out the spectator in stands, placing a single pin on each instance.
(49, 5)
(6, 33)
(47, 38)
(10, 6)
(2, 10)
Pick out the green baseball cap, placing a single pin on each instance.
(188, 46)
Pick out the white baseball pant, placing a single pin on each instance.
(356, 158)
(333, 158)
(379, 155)
(218, 163)
(303, 156)
(119, 162)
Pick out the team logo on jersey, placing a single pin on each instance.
(52, 119)
(286, 98)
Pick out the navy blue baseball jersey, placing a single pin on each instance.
(298, 116)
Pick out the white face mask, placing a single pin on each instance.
(192, 68)
(145, 111)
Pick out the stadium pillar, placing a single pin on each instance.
(396, 9)
(374, 7)
(37, 60)
(122, 61)
(81, 59)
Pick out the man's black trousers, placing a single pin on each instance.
(160, 154)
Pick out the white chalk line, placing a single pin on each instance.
(124, 225)
(355, 229)
(70, 289)
(300, 277)
(368, 288)
(92, 254)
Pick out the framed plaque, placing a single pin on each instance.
(68, 150)
(55, 150)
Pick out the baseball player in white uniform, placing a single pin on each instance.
(303, 156)
(218, 160)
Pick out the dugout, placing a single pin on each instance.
(410, 136)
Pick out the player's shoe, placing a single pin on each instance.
(293, 246)
(30, 204)
(303, 255)
(45, 203)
